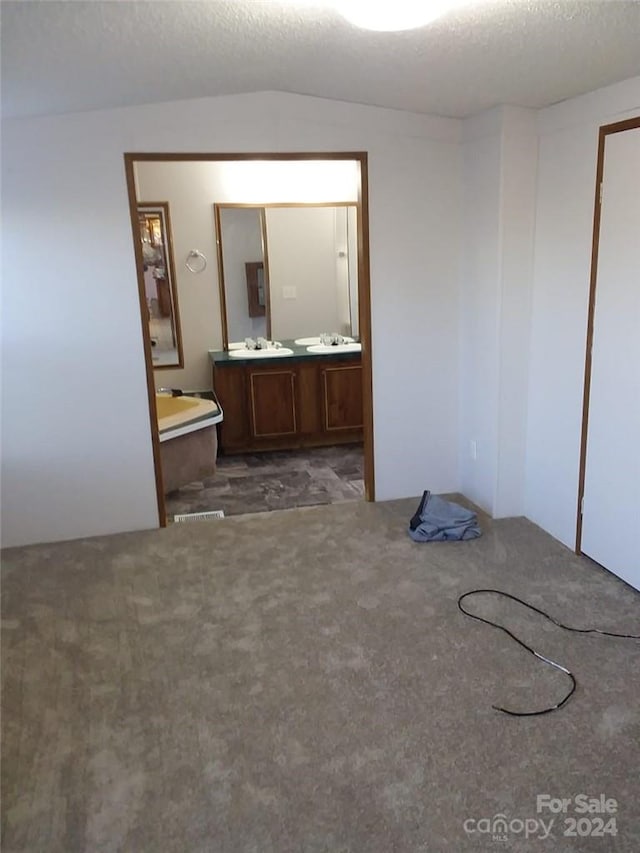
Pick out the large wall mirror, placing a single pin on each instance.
(287, 271)
(159, 284)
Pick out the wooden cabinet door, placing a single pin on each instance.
(342, 386)
(309, 400)
(272, 401)
(230, 386)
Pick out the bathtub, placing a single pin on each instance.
(188, 439)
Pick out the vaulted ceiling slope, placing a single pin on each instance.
(71, 56)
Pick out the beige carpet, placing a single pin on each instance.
(303, 681)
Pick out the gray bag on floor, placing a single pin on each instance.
(438, 520)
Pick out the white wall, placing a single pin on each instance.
(77, 452)
(518, 191)
(568, 140)
(479, 307)
(414, 233)
(499, 154)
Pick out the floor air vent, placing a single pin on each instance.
(199, 516)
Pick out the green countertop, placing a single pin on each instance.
(221, 358)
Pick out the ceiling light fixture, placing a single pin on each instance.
(394, 15)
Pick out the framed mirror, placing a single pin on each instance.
(159, 284)
(243, 272)
(287, 271)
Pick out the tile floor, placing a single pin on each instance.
(278, 480)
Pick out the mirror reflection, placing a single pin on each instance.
(243, 274)
(287, 271)
(159, 287)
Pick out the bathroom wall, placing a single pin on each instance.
(78, 462)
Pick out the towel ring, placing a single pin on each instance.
(194, 253)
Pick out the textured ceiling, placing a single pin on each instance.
(67, 56)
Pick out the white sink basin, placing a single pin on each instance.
(260, 353)
(327, 350)
(308, 342)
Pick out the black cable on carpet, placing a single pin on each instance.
(574, 683)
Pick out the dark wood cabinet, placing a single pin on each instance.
(272, 397)
(342, 387)
(230, 387)
(307, 403)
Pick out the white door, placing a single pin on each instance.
(611, 511)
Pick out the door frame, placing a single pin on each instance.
(605, 131)
(364, 291)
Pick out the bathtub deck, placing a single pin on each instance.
(176, 412)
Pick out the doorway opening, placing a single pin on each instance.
(297, 424)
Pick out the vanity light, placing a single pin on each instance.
(394, 15)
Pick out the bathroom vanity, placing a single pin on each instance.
(285, 402)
